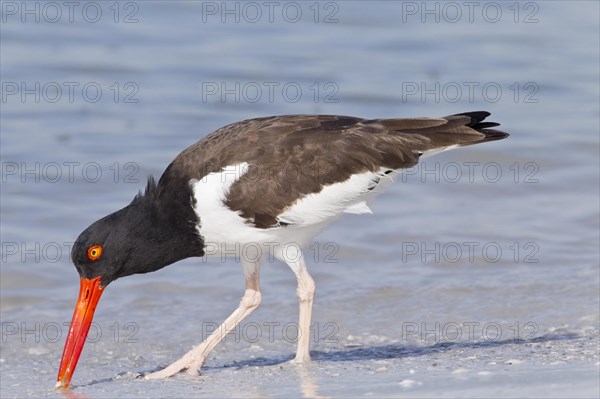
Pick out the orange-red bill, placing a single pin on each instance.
(90, 292)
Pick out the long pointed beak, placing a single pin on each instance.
(90, 292)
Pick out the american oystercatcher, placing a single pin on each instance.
(276, 180)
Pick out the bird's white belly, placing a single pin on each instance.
(225, 231)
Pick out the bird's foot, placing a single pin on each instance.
(301, 359)
(187, 362)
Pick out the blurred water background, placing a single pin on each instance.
(96, 96)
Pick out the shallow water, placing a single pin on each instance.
(477, 275)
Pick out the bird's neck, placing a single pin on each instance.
(164, 227)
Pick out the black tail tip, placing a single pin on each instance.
(477, 123)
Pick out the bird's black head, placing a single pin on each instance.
(155, 230)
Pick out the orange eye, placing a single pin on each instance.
(94, 252)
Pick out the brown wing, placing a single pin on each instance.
(292, 156)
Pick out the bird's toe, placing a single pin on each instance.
(194, 371)
(157, 375)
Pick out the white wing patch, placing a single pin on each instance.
(359, 208)
(350, 196)
(218, 223)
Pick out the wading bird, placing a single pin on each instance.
(278, 179)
